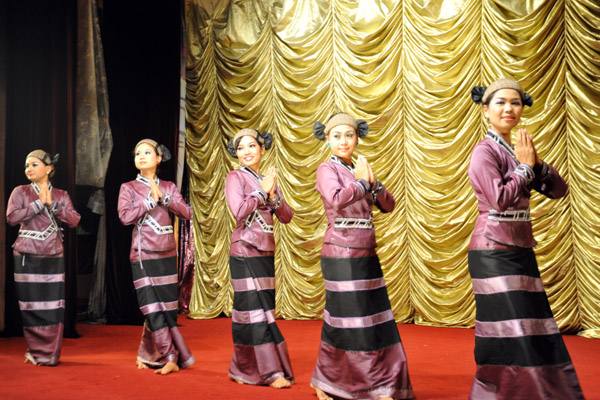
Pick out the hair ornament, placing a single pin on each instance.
(362, 128)
(477, 94)
(319, 130)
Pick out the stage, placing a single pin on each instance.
(101, 364)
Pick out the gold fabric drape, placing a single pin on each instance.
(407, 68)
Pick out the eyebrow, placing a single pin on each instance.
(504, 98)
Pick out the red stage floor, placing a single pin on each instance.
(101, 364)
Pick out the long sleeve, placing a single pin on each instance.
(487, 180)
(241, 204)
(18, 210)
(176, 204)
(131, 207)
(284, 212)
(549, 183)
(384, 200)
(332, 192)
(64, 211)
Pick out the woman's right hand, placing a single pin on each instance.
(524, 148)
(361, 171)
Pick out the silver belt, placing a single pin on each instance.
(510, 216)
(353, 223)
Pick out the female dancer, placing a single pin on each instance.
(147, 202)
(360, 355)
(519, 351)
(260, 355)
(40, 209)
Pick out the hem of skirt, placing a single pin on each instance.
(272, 378)
(380, 392)
(45, 361)
(156, 364)
(187, 363)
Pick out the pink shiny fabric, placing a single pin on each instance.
(240, 187)
(525, 383)
(165, 345)
(20, 210)
(260, 365)
(132, 208)
(356, 370)
(516, 328)
(507, 283)
(497, 187)
(342, 198)
(45, 344)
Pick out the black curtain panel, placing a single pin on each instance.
(141, 42)
(40, 88)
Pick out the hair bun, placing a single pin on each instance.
(164, 152)
(477, 94)
(231, 149)
(527, 100)
(319, 130)
(362, 128)
(267, 138)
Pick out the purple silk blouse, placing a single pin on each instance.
(502, 187)
(348, 205)
(252, 210)
(39, 232)
(154, 230)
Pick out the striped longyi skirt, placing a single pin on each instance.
(40, 287)
(260, 353)
(156, 288)
(360, 355)
(519, 351)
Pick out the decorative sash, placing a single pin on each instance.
(353, 223)
(255, 216)
(510, 216)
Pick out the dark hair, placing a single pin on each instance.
(478, 91)
(264, 135)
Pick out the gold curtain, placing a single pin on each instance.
(407, 68)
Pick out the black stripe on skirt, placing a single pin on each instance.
(151, 294)
(258, 333)
(360, 303)
(525, 351)
(35, 291)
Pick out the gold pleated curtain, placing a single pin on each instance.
(407, 68)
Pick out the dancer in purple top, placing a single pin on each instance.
(360, 355)
(260, 354)
(148, 202)
(519, 350)
(40, 209)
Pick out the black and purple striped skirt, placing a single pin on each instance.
(519, 351)
(360, 355)
(260, 354)
(40, 286)
(156, 288)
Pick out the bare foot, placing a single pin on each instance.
(236, 381)
(168, 368)
(321, 395)
(141, 365)
(280, 383)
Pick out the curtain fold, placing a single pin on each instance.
(407, 68)
(94, 140)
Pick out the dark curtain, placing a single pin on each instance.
(3, 62)
(40, 92)
(142, 54)
(141, 47)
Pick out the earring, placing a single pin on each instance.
(328, 145)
